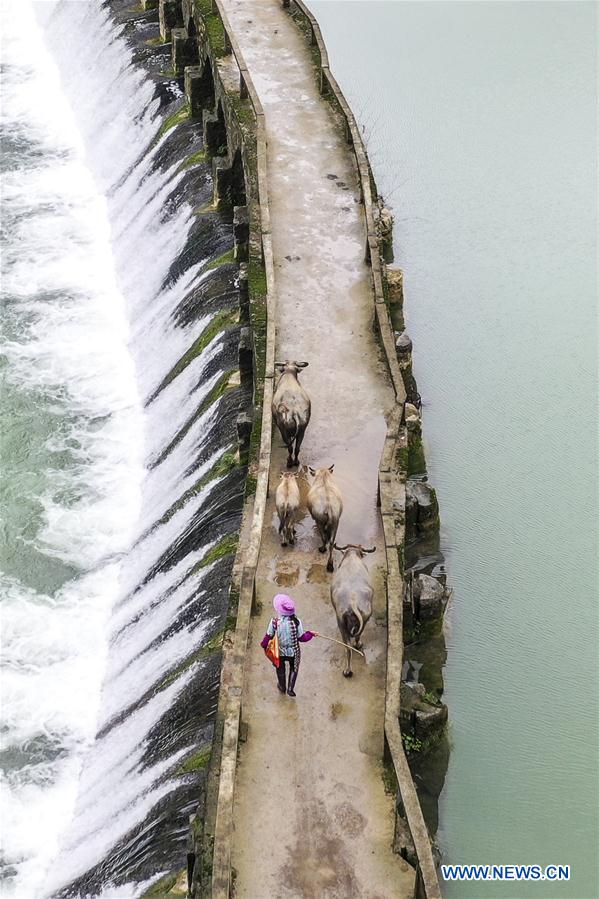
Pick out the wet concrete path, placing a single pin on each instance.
(312, 818)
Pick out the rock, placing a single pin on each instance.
(403, 345)
(395, 285)
(422, 509)
(429, 720)
(429, 598)
(386, 221)
(413, 420)
(412, 413)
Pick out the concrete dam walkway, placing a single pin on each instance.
(312, 818)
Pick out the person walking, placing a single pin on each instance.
(291, 633)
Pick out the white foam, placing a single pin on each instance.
(97, 236)
(73, 355)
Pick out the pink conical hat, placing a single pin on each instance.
(283, 604)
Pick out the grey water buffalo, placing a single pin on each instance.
(287, 500)
(325, 506)
(291, 408)
(351, 596)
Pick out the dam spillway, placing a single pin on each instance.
(167, 166)
(141, 497)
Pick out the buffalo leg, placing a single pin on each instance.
(330, 566)
(323, 537)
(332, 538)
(345, 637)
(298, 442)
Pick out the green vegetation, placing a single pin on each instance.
(411, 744)
(403, 459)
(227, 257)
(196, 762)
(215, 394)
(214, 27)
(416, 456)
(181, 115)
(214, 644)
(193, 159)
(167, 886)
(219, 323)
(432, 698)
(390, 779)
(156, 41)
(225, 547)
(223, 465)
(178, 671)
(257, 280)
(217, 391)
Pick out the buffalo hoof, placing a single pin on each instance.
(292, 541)
(330, 566)
(296, 463)
(283, 543)
(348, 673)
(289, 462)
(322, 549)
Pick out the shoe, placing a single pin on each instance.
(280, 688)
(291, 693)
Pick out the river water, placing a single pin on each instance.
(481, 124)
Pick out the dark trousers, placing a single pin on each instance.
(281, 670)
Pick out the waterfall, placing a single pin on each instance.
(121, 342)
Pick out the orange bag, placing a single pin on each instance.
(272, 650)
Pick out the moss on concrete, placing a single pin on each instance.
(416, 456)
(223, 465)
(193, 159)
(218, 324)
(390, 779)
(227, 257)
(170, 886)
(225, 547)
(403, 458)
(196, 762)
(181, 115)
(217, 391)
(214, 27)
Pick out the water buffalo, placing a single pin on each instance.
(291, 408)
(287, 499)
(325, 506)
(351, 595)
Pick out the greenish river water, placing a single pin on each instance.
(481, 121)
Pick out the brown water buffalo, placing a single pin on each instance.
(351, 595)
(287, 500)
(325, 506)
(291, 408)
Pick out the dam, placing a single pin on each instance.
(247, 229)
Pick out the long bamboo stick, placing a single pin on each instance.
(341, 643)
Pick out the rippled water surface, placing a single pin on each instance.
(481, 124)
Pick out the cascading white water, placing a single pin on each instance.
(98, 631)
(66, 344)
